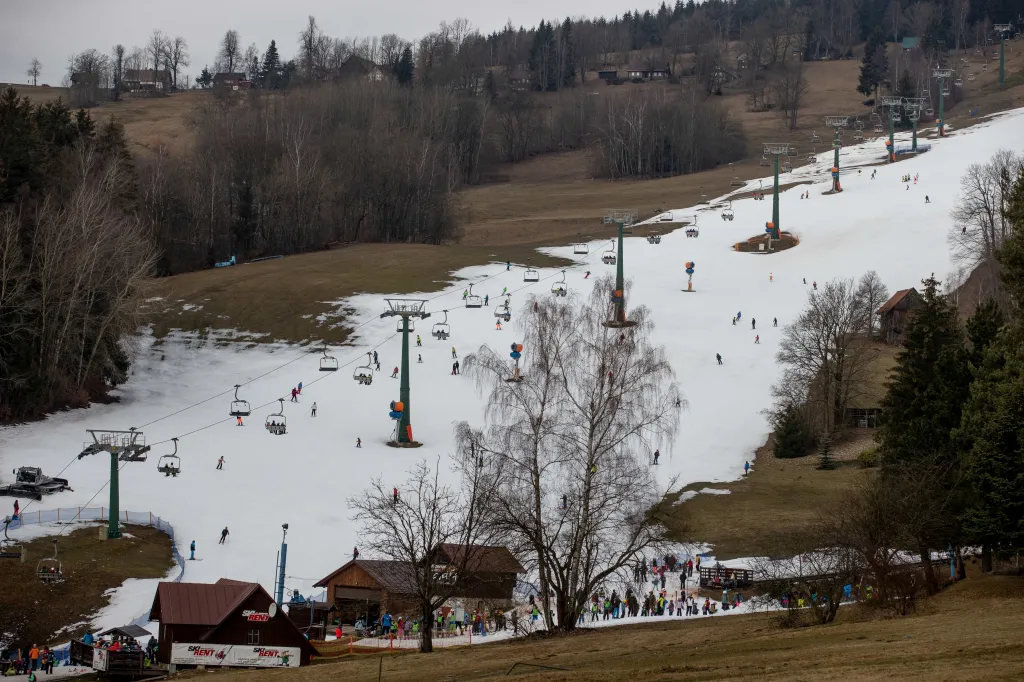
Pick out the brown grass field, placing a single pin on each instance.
(970, 631)
(33, 611)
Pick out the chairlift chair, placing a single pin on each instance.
(170, 465)
(878, 128)
(10, 549)
(654, 239)
(929, 111)
(363, 374)
(815, 138)
(49, 569)
(959, 82)
(727, 214)
(504, 311)
(970, 77)
(412, 325)
(764, 161)
(787, 167)
(858, 124)
(441, 330)
(858, 136)
(609, 257)
(945, 91)
(580, 248)
(473, 301)
(328, 363)
(531, 276)
(736, 182)
(560, 288)
(277, 423)
(239, 407)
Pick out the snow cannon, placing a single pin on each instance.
(769, 229)
(617, 296)
(397, 407)
(517, 351)
(689, 267)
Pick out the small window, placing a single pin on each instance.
(254, 637)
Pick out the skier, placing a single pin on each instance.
(775, 322)
(805, 280)
(454, 370)
(394, 496)
(192, 551)
(873, 174)
(504, 291)
(757, 338)
(771, 277)
(657, 456)
(238, 421)
(739, 314)
(927, 200)
(718, 356)
(734, 320)
(394, 374)
(419, 358)
(312, 412)
(300, 388)
(753, 323)
(294, 394)
(746, 468)
(587, 275)
(223, 535)
(377, 363)
(375, 357)
(497, 325)
(458, 367)
(508, 265)
(359, 442)
(220, 463)
(487, 299)
(355, 553)
(419, 341)
(465, 294)
(815, 285)
(454, 354)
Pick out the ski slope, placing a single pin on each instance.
(305, 477)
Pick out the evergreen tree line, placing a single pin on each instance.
(74, 256)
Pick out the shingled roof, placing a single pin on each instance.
(895, 300)
(482, 558)
(198, 603)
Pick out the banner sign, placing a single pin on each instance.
(256, 616)
(233, 654)
(99, 659)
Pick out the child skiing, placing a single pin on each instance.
(419, 341)
(238, 421)
(419, 358)
(497, 325)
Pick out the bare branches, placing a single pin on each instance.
(35, 68)
(980, 226)
(230, 53)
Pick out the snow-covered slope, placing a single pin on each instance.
(304, 478)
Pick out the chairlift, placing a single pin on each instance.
(560, 288)
(858, 136)
(727, 214)
(49, 569)
(363, 374)
(277, 423)
(858, 124)
(531, 276)
(704, 197)
(504, 311)
(239, 407)
(736, 182)
(441, 330)
(473, 301)
(764, 161)
(609, 257)
(959, 82)
(926, 94)
(815, 138)
(787, 167)
(412, 324)
(170, 465)
(580, 248)
(10, 549)
(945, 91)
(654, 239)
(878, 128)
(929, 111)
(328, 363)
(970, 77)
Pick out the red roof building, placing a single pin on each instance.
(228, 623)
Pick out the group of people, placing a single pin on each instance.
(18, 661)
(692, 232)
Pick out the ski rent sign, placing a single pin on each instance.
(231, 654)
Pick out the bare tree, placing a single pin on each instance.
(156, 49)
(413, 524)
(824, 354)
(35, 67)
(871, 293)
(135, 59)
(790, 86)
(894, 18)
(230, 52)
(308, 44)
(979, 217)
(251, 62)
(176, 57)
(567, 450)
(117, 70)
(88, 73)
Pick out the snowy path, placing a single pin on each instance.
(304, 478)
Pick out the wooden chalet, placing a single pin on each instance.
(607, 73)
(365, 588)
(227, 623)
(647, 72)
(136, 80)
(894, 314)
(231, 81)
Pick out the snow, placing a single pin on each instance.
(305, 477)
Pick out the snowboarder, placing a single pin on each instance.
(419, 341)
(587, 275)
(294, 394)
(746, 468)
(238, 421)
(192, 551)
(223, 535)
(419, 358)
(394, 374)
(454, 354)
(657, 456)
(487, 300)
(753, 323)
(355, 553)
(359, 442)
(718, 356)
(312, 412)
(220, 463)
(757, 338)
(775, 322)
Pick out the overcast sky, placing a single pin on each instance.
(54, 29)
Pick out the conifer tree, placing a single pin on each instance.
(790, 437)
(404, 68)
(874, 65)
(825, 459)
(270, 72)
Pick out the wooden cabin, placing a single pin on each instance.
(894, 314)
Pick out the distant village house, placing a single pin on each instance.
(231, 81)
(136, 80)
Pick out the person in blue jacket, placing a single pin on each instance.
(385, 622)
(192, 549)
